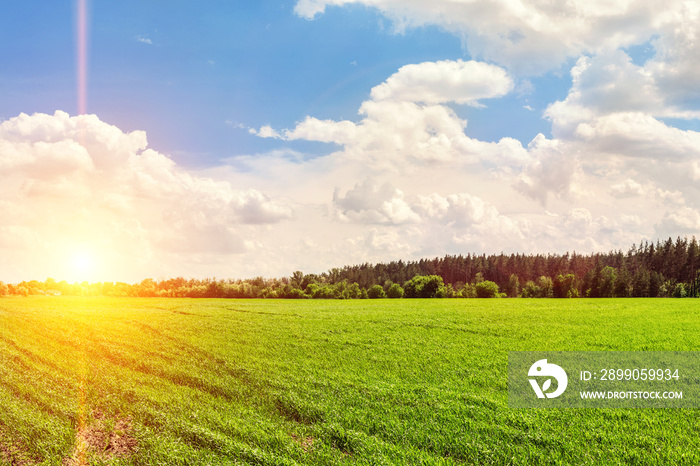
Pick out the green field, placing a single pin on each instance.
(178, 381)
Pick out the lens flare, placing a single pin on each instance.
(83, 263)
(82, 38)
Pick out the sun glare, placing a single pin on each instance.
(82, 261)
(82, 265)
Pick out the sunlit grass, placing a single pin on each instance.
(327, 382)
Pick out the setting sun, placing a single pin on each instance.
(82, 265)
(82, 261)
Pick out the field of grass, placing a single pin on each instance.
(177, 381)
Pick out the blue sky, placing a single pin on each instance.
(188, 75)
(235, 138)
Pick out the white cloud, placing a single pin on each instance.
(578, 229)
(580, 222)
(628, 188)
(551, 169)
(378, 243)
(639, 135)
(406, 180)
(406, 125)
(408, 136)
(611, 148)
(313, 129)
(430, 222)
(79, 181)
(673, 198)
(613, 132)
(695, 170)
(611, 83)
(310, 8)
(611, 86)
(407, 119)
(445, 81)
(392, 132)
(472, 221)
(265, 131)
(675, 66)
(528, 36)
(680, 221)
(611, 122)
(433, 211)
(370, 203)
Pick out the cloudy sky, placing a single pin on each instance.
(235, 139)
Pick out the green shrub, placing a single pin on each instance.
(486, 289)
(395, 291)
(423, 286)
(679, 291)
(376, 291)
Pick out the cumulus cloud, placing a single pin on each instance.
(680, 221)
(378, 243)
(313, 129)
(611, 142)
(431, 221)
(609, 121)
(392, 132)
(551, 169)
(472, 220)
(628, 188)
(370, 203)
(265, 131)
(407, 124)
(463, 222)
(531, 36)
(675, 66)
(610, 82)
(578, 229)
(694, 170)
(612, 120)
(445, 81)
(412, 181)
(407, 119)
(580, 221)
(78, 180)
(639, 135)
(610, 87)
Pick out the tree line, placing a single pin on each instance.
(661, 269)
